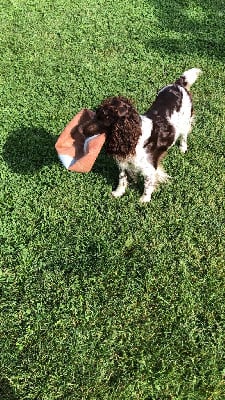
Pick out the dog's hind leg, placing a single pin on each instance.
(151, 181)
(184, 137)
(183, 142)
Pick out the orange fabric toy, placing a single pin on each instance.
(78, 153)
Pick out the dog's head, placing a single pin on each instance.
(114, 109)
(121, 122)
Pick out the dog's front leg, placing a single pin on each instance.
(122, 185)
(149, 187)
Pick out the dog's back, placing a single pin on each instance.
(169, 98)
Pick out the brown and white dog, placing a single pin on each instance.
(139, 142)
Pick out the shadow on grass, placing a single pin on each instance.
(200, 26)
(180, 47)
(6, 391)
(107, 167)
(26, 150)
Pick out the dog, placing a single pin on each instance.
(139, 142)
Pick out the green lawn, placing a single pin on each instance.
(102, 298)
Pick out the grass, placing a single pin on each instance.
(103, 298)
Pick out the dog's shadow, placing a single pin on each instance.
(106, 167)
(28, 149)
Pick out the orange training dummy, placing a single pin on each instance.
(76, 152)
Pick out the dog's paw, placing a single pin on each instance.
(117, 193)
(183, 148)
(145, 199)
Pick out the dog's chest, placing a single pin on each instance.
(140, 160)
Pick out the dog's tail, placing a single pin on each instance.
(188, 78)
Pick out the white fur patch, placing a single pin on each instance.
(139, 162)
(181, 120)
(146, 128)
